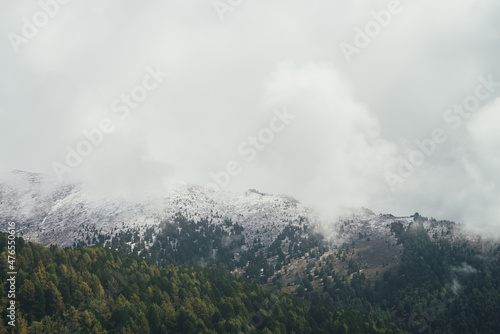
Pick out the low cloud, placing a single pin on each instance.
(465, 269)
(122, 166)
(354, 121)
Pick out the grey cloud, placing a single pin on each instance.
(353, 121)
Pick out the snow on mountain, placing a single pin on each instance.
(53, 213)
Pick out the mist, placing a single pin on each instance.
(263, 96)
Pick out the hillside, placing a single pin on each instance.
(94, 290)
(412, 272)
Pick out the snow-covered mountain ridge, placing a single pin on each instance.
(62, 214)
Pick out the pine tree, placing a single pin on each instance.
(27, 297)
(55, 304)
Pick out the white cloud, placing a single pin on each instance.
(333, 154)
(353, 120)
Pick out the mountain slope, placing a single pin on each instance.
(65, 215)
(61, 214)
(375, 265)
(96, 290)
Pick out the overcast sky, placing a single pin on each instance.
(351, 104)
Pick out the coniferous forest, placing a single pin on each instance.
(97, 290)
(103, 290)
